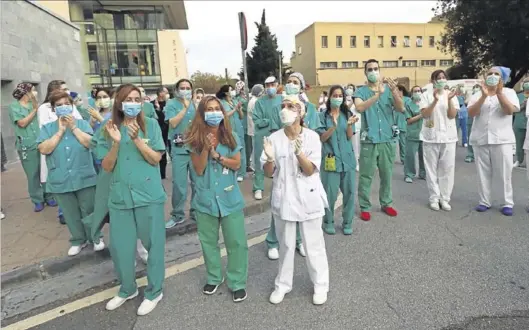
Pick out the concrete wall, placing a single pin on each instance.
(37, 47)
(172, 55)
(304, 58)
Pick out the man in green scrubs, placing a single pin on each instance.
(377, 102)
(520, 123)
(147, 107)
(23, 116)
(413, 142)
(242, 99)
(266, 110)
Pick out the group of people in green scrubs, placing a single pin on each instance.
(519, 124)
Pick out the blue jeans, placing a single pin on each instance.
(462, 125)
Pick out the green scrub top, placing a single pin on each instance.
(26, 137)
(70, 165)
(171, 109)
(244, 102)
(217, 191)
(263, 115)
(312, 118)
(520, 119)
(135, 182)
(148, 110)
(411, 109)
(378, 119)
(338, 144)
(84, 112)
(401, 116)
(235, 120)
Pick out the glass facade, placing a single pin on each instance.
(123, 42)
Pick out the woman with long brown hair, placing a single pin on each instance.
(216, 158)
(136, 200)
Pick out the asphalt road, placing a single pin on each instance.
(457, 270)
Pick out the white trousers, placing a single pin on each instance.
(527, 169)
(494, 160)
(314, 244)
(439, 164)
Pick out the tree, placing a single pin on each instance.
(487, 32)
(209, 82)
(264, 58)
(461, 71)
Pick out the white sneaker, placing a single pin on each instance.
(273, 254)
(301, 251)
(277, 297)
(319, 298)
(465, 145)
(240, 178)
(99, 246)
(117, 301)
(357, 168)
(516, 164)
(147, 305)
(75, 250)
(2, 216)
(434, 206)
(445, 206)
(258, 195)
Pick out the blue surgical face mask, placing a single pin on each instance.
(185, 94)
(292, 89)
(492, 80)
(336, 102)
(63, 110)
(213, 118)
(525, 86)
(349, 92)
(271, 91)
(440, 83)
(373, 76)
(131, 109)
(416, 96)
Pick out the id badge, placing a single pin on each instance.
(430, 124)
(225, 171)
(330, 163)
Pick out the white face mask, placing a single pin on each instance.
(232, 93)
(288, 117)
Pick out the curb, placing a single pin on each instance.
(50, 267)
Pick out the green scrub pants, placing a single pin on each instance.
(258, 178)
(146, 223)
(96, 220)
(242, 170)
(372, 156)
(402, 146)
(249, 149)
(271, 237)
(236, 247)
(180, 166)
(30, 160)
(519, 134)
(75, 206)
(412, 148)
(345, 181)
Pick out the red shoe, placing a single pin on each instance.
(366, 216)
(389, 211)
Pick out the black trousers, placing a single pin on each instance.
(163, 161)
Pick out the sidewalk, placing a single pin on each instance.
(30, 238)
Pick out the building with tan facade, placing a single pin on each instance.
(128, 41)
(334, 53)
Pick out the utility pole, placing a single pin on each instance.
(280, 68)
(226, 75)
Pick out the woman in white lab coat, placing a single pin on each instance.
(492, 137)
(349, 91)
(292, 157)
(439, 136)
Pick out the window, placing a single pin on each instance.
(93, 62)
(428, 63)
(390, 64)
(323, 41)
(418, 41)
(299, 50)
(367, 42)
(406, 41)
(380, 41)
(393, 41)
(351, 64)
(328, 65)
(338, 41)
(352, 41)
(431, 41)
(409, 63)
(446, 62)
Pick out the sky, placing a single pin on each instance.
(213, 40)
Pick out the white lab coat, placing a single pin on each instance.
(46, 115)
(492, 138)
(251, 106)
(298, 198)
(439, 136)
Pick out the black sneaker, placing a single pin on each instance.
(249, 169)
(239, 295)
(210, 289)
